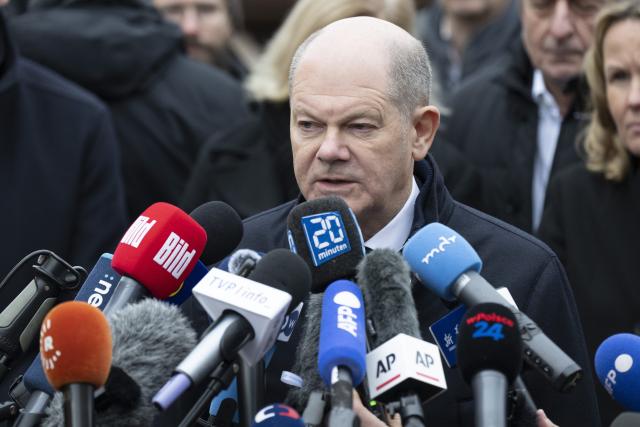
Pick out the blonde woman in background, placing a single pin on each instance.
(592, 217)
(250, 165)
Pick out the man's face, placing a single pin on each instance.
(557, 34)
(349, 140)
(206, 25)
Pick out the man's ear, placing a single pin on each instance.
(425, 123)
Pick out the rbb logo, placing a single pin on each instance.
(326, 236)
(346, 317)
(173, 255)
(137, 231)
(621, 365)
(278, 410)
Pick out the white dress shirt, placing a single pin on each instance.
(396, 232)
(549, 124)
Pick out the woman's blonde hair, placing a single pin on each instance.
(268, 80)
(605, 151)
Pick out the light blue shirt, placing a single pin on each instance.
(549, 124)
(396, 232)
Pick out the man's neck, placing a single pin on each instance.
(557, 90)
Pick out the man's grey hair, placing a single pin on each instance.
(409, 73)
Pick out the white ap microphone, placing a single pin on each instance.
(405, 363)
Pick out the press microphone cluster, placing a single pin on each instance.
(149, 339)
(447, 265)
(162, 247)
(402, 370)
(248, 315)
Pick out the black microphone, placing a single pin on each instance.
(489, 356)
(21, 319)
(326, 234)
(402, 370)
(150, 338)
(447, 264)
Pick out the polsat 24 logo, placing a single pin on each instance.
(489, 325)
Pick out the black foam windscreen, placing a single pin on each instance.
(284, 270)
(326, 234)
(489, 339)
(385, 279)
(224, 230)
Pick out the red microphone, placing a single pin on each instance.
(76, 360)
(156, 254)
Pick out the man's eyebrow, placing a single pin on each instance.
(370, 113)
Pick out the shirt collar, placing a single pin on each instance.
(396, 232)
(540, 93)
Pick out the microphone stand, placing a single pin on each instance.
(313, 414)
(410, 409)
(221, 378)
(250, 390)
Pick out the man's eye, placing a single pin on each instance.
(618, 76)
(362, 127)
(307, 126)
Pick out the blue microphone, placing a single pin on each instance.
(448, 265)
(617, 364)
(277, 415)
(342, 348)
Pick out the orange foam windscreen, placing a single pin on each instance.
(75, 345)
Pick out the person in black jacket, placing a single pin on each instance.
(163, 104)
(591, 220)
(518, 121)
(59, 174)
(361, 127)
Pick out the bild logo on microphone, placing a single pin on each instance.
(140, 227)
(173, 255)
(326, 236)
(347, 302)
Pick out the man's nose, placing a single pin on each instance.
(561, 25)
(333, 148)
(189, 22)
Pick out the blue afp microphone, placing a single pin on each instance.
(342, 348)
(448, 266)
(617, 364)
(277, 415)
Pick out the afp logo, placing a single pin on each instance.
(621, 365)
(277, 415)
(347, 302)
(326, 236)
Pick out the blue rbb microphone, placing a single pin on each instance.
(617, 364)
(342, 348)
(277, 415)
(447, 265)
